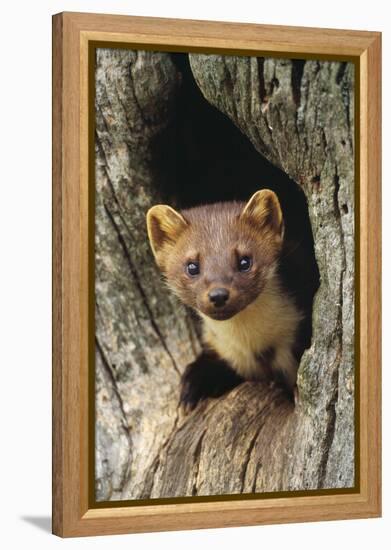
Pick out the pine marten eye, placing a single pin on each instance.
(193, 268)
(244, 263)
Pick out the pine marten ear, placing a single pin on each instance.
(164, 226)
(264, 210)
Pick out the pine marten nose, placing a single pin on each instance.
(218, 296)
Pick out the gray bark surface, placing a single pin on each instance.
(143, 336)
(300, 116)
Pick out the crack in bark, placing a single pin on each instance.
(141, 290)
(101, 154)
(151, 473)
(230, 85)
(341, 72)
(124, 108)
(296, 78)
(346, 102)
(99, 111)
(246, 462)
(109, 370)
(135, 98)
(261, 78)
(261, 415)
(330, 425)
(196, 461)
(150, 478)
(331, 406)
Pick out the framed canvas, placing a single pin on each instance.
(216, 274)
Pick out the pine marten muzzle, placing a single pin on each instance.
(223, 261)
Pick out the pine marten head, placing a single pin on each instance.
(218, 258)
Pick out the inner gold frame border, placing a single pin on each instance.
(75, 37)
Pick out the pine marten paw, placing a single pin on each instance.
(204, 378)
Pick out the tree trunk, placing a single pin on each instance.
(299, 115)
(143, 336)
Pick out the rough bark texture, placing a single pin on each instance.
(143, 336)
(299, 115)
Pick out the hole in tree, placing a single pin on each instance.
(202, 157)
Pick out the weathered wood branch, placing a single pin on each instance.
(299, 115)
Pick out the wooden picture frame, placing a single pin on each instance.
(72, 461)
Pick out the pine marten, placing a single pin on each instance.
(224, 261)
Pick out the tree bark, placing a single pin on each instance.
(143, 336)
(300, 116)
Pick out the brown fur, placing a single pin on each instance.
(258, 315)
